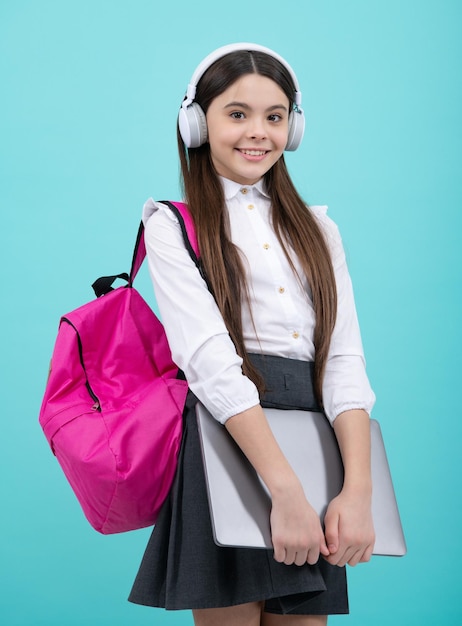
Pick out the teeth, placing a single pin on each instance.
(254, 152)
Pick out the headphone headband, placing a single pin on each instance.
(192, 121)
(236, 47)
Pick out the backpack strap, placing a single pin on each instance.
(181, 210)
(185, 220)
(103, 285)
(183, 215)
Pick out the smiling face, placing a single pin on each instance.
(248, 128)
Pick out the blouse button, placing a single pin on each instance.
(295, 334)
(244, 190)
(281, 289)
(250, 207)
(266, 246)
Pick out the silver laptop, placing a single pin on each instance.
(239, 501)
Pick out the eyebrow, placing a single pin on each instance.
(243, 105)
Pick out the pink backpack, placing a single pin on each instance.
(113, 403)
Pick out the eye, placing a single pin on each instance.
(237, 115)
(275, 117)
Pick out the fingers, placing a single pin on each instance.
(351, 554)
(332, 532)
(301, 557)
(279, 552)
(306, 552)
(297, 557)
(324, 549)
(344, 555)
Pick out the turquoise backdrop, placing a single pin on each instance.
(89, 96)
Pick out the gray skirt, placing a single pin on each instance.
(183, 568)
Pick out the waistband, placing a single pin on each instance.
(289, 382)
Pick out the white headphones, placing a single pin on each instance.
(191, 118)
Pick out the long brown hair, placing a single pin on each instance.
(294, 224)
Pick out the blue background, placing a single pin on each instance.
(89, 97)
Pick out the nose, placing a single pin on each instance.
(257, 129)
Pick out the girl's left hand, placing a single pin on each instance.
(349, 529)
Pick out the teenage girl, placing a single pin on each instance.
(278, 306)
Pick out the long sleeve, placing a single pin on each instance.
(198, 338)
(346, 385)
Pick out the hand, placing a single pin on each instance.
(296, 529)
(349, 529)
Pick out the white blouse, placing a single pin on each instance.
(282, 310)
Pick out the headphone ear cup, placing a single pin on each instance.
(192, 125)
(296, 130)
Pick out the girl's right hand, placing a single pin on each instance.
(295, 526)
(296, 530)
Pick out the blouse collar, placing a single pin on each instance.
(231, 188)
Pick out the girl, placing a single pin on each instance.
(282, 306)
